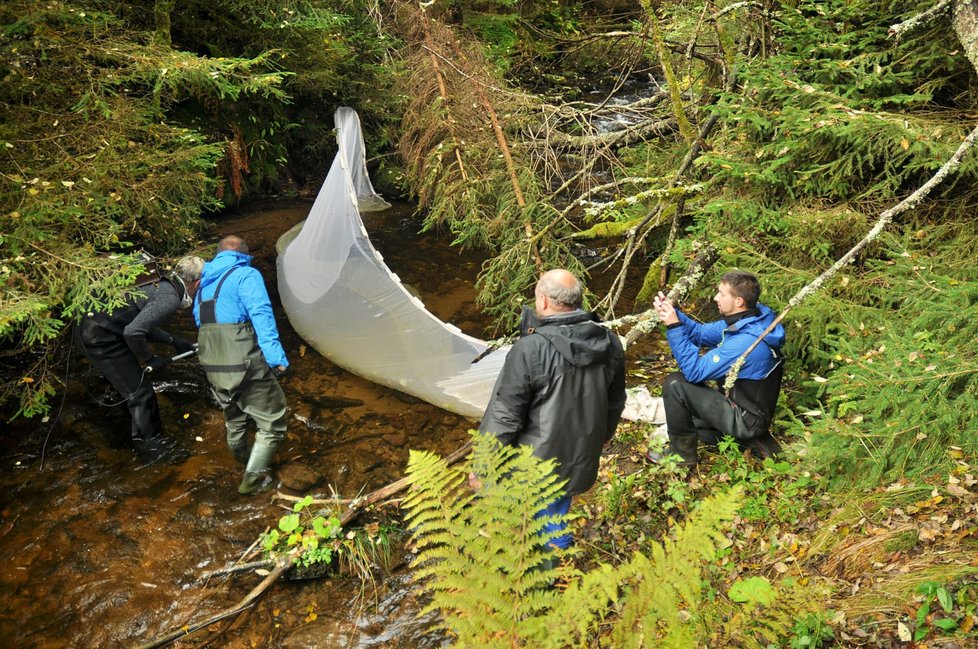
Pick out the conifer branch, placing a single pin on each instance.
(508, 159)
(443, 93)
(909, 203)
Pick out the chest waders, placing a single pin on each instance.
(100, 337)
(245, 388)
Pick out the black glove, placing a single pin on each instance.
(156, 363)
(182, 345)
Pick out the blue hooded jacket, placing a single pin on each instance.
(724, 346)
(243, 298)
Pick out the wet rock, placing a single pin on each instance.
(330, 402)
(298, 477)
(396, 438)
(407, 398)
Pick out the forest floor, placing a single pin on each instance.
(894, 566)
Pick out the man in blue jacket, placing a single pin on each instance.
(696, 412)
(240, 352)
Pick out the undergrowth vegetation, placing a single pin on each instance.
(122, 127)
(481, 557)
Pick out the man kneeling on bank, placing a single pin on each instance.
(696, 412)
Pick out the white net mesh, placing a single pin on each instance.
(343, 300)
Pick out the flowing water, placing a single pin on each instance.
(99, 551)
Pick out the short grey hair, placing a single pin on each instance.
(189, 269)
(561, 287)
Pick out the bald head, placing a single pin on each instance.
(232, 242)
(557, 291)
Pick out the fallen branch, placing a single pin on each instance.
(909, 203)
(284, 562)
(238, 567)
(920, 19)
(281, 566)
(646, 321)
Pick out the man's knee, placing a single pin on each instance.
(671, 383)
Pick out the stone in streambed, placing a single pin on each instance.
(298, 477)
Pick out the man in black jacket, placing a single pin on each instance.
(561, 389)
(117, 345)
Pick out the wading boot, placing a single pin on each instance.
(684, 447)
(763, 446)
(257, 476)
(240, 453)
(156, 450)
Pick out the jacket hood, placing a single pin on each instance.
(224, 260)
(755, 326)
(576, 336)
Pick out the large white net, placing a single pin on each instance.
(343, 300)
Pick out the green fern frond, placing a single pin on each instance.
(671, 580)
(481, 557)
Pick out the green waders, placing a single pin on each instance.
(245, 388)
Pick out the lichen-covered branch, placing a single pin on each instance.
(645, 322)
(920, 19)
(909, 203)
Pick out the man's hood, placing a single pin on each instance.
(755, 325)
(216, 267)
(576, 336)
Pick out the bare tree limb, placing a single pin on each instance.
(921, 19)
(645, 322)
(909, 203)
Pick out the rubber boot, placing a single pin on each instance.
(157, 450)
(763, 446)
(257, 475)
(684, 447)
(240, 453)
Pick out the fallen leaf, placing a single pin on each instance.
(903, 632)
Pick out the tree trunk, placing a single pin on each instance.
(161, 18)
(965, 21)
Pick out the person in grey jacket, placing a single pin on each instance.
(561, 389)
(116, 343)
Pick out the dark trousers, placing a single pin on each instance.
(112, 358)
(694, 413)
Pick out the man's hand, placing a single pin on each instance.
(182, 345)
(280, 371)
(474, 483)
(156, 363)
(665, 309)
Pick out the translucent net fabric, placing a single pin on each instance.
(343, 300)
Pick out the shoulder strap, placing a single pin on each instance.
(217, 291)
(208, 308)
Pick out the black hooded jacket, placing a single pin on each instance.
(561, 391)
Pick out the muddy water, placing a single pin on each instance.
(98, 551)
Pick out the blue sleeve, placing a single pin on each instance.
(714, 364)
(254, 298)
(512, 395)
(702, 334)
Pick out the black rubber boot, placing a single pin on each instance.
(763, 446)
(258, 476)
(157, 450)
(240, 453)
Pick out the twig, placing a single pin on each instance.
(909, 203)
(238, 567)
(647, 321)
(282, 564)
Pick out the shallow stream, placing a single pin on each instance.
(98, 551)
